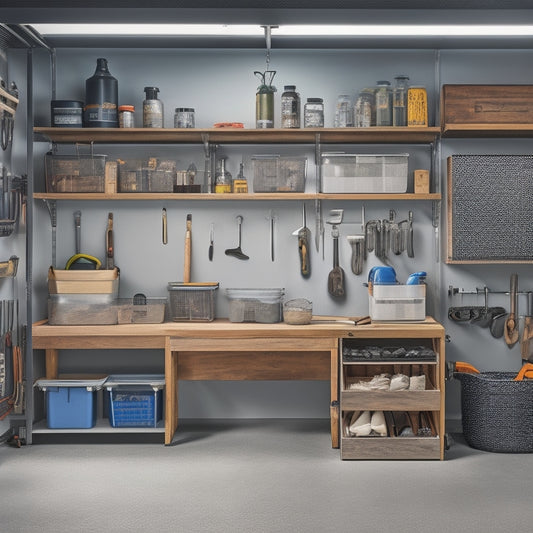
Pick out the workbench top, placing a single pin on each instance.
(222, 328)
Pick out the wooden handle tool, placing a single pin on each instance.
(187, 265)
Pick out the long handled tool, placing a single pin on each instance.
(237, 252)
(527, 334)
(336, 275)
(109, 244)
(304, 237)
(187, 254)
(511, 325)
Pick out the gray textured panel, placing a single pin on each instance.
(492, 207)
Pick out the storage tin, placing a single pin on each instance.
(255, 305)
(66, 113)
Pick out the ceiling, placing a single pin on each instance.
(277, 12)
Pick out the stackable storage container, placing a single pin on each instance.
(194, 302)
(70, 403)
(274, 173)
(364, 173)
(255, 305)
(135, 400)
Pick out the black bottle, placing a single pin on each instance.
(101, 98)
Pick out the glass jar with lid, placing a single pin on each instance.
(383, 104)
(290, 107)
(399, 100)
(364, 109)
(344, 112)
(184, 117)
(314, 113)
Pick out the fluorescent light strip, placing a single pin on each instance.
(392, 30)
(148, 29)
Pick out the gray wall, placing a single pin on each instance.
(220, 85)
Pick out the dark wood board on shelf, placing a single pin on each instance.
(490, 209)
(486, 104)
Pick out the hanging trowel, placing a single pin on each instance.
(510, 331)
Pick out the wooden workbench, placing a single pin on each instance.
(222, 350)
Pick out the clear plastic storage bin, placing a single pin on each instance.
(274, 173)
(255, 305)
(364, 173)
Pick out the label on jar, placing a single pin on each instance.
(152, 115)
(67, 116)
(417, 107)
(106, 112)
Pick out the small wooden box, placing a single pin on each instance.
(421, 180)
(486, 104)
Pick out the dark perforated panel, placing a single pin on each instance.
(490, 207)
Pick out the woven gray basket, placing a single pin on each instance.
(497, 412)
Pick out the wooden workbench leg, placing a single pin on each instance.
(51, 363)
(171, 396)
(334, 405)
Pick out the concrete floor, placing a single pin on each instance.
(257, 476)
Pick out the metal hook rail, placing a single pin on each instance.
(452, 291)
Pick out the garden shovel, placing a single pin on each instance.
(510, 331)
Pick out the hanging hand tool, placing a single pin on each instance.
(80, 261)
(511, 325)
(336, 275)
(187, 254)
(109, 244)
(271, 217)
(164, 226)
(211, 241)
(527, 334)
(318, 223)
(304, 236)
(237, 252)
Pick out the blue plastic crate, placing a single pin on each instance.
(135, 407)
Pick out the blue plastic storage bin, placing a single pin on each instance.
(135, 400)
(71, 404)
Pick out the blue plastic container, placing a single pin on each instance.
(135, 400)
(70, 404)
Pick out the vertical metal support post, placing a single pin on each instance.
(26, 342)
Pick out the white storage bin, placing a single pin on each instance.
(397, 303)
(364, 173)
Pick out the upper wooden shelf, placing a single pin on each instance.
(487, 130)
(374, 135)
(228, 197)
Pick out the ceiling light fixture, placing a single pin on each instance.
(314, 30)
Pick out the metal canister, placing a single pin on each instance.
(264, 100)
(417, 106)
(126, 116)
(264, 108)
(66, 113)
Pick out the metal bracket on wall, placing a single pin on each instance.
(51, 205)
(452, 291)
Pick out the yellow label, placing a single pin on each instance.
(417, 107)
(222, 189)
(240, 186)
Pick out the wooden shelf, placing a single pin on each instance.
(374, 135)
(229, 197)
(487, 130)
